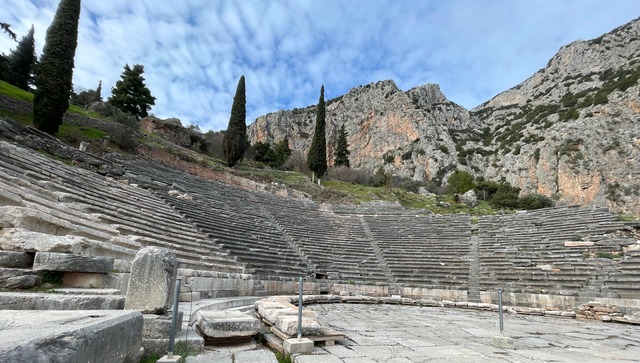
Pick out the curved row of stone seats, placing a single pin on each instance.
(429, 251)
(229, 217)
(337, 246)
(554, 251)
(126, 213)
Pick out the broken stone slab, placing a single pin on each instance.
(289, 326)
(51, 261)
(151, 281)
(18, 239)
(226, 324)
(71, 336)
(11, 259)
(502, 342)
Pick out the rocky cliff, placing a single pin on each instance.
(406, 132)
(570, 131)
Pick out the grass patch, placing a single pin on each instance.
(73, 134)
(9, 90)
(283, 357)
(24, 118)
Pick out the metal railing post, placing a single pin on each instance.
(174, 317)
(300, 310)
(500, 310)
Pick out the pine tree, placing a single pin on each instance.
(54, 73)
(317, 157)
(234, 142)
(21, 61)
(130, 94)
(342, 149)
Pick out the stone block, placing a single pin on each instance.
(262, 356)
(226, 324)
(51, 261)
(159, 326)
(302, 346)
(502, 342)
(71, 336)
(45, 301)
(579, 244)
(10, 259)
(289, 325)
(22, 282)
(173, 359)
(14, 278)
(151, 281)
(84, 280)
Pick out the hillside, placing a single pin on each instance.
(569, 132)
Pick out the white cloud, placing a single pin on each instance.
(194, 51)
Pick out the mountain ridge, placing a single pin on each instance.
(569, 131)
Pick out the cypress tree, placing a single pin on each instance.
(54, 73)
(317, 157)
(342, 149)
(234, 142)
(21, 61)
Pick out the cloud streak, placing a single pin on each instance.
(194, 51)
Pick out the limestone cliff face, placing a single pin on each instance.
(571, 131)
(406, 132)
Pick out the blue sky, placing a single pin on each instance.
(194, 51)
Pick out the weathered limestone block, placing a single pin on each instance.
(273, 314)
(23, 282)
(159, 326)
(579, 244)
(289, 326)
(51, 261)
(17, 239)
(151, 281)
(9, 277)
(71, 336)
(47, 301)
(226, 324)
(10, 259)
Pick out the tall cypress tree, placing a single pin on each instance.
(317, 157)
(235, 138)
(342, 149)
(54, 73)
(21, 61)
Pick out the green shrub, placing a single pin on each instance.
(460, 182)
(506, 196)
(534, 201)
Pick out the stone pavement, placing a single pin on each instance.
(241, 353)
(405, 334)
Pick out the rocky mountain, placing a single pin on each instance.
(571, 131)
(409, 133)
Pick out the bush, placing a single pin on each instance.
(123, 138)
(460, 182)
(296, 162)
(506, 196)
(356, 176)
(407, 184)
(534, 201)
